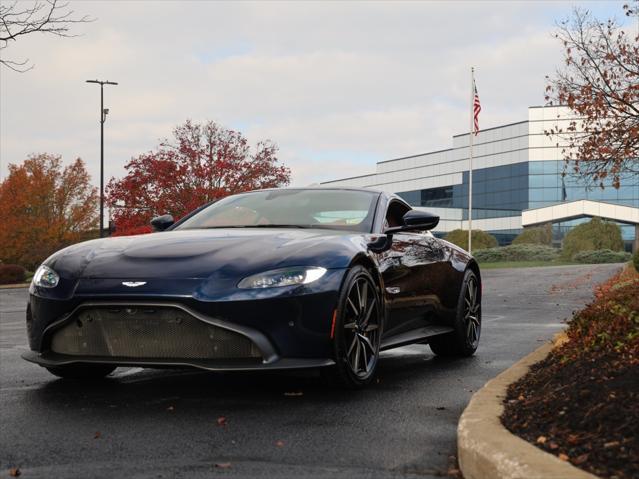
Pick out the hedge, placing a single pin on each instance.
(518, 252)
(12, 273)
(601, 256)
(480, 239)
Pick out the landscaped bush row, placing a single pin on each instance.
(479, 238)
(601, 256)
(596, 241)
(12, 273)
(517, 252)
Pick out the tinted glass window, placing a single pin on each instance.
(334, 209)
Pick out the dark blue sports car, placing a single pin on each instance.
(272, 279)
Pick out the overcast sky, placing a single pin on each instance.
(337, 85)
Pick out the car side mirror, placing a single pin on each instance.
(161, 223)
(416, 220)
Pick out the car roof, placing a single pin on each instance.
(345, 188)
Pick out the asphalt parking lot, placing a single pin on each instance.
(168, 423)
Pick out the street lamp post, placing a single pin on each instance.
(103, 113)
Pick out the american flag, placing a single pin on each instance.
(476, 108)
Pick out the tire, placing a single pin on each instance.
(81, 371)
(463, 341)
(358, 331)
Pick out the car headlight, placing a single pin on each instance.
(283, 277)
(45, 277)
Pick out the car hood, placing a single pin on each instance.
(229, 253)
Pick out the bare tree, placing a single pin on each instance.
(47, 16)
(599, 82)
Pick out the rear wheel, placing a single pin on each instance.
(358, 329)
(81, 371)
(463, 341)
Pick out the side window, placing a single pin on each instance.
(395, 214)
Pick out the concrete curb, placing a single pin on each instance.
(486, 449)
(14, 286)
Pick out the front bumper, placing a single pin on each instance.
(291, 329)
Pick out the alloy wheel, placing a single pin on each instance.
(361, 327)
(472, 312)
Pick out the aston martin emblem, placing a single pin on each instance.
(133, 284)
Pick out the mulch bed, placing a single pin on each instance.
(582, 402)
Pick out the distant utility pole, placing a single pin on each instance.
(103, 113)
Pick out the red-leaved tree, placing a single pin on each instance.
(203, 162)
(599, 82)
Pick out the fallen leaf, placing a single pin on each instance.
(279, 443)
(97, 435)
(563, 457)
(611, 444)
(170, 408)
(221, 421)
(541, 440)
(294, 393)
(580, 459)
(553, 445)
(521, 397)
(14, 472)
(223, 465)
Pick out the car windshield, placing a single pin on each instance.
(312, 208)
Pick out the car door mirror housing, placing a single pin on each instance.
(161, 223)
(416, 220)
(420, 220)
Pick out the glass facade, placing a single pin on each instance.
(517, 168)
(497, 192)
(548, 187)
(508, 190)
(434, 197)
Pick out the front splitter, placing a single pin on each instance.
(53, 359)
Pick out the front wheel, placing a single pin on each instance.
(358, 330)
(81, 371)
(463, 341)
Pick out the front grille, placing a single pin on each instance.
(149, 333)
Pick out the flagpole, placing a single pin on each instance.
(470, 160)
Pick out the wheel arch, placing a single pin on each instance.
(474, 267)
(365, 261)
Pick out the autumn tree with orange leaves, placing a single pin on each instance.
(202, 163)
(44, 207)
(599, 82)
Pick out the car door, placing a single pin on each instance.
(399, 273)
(410, 271)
